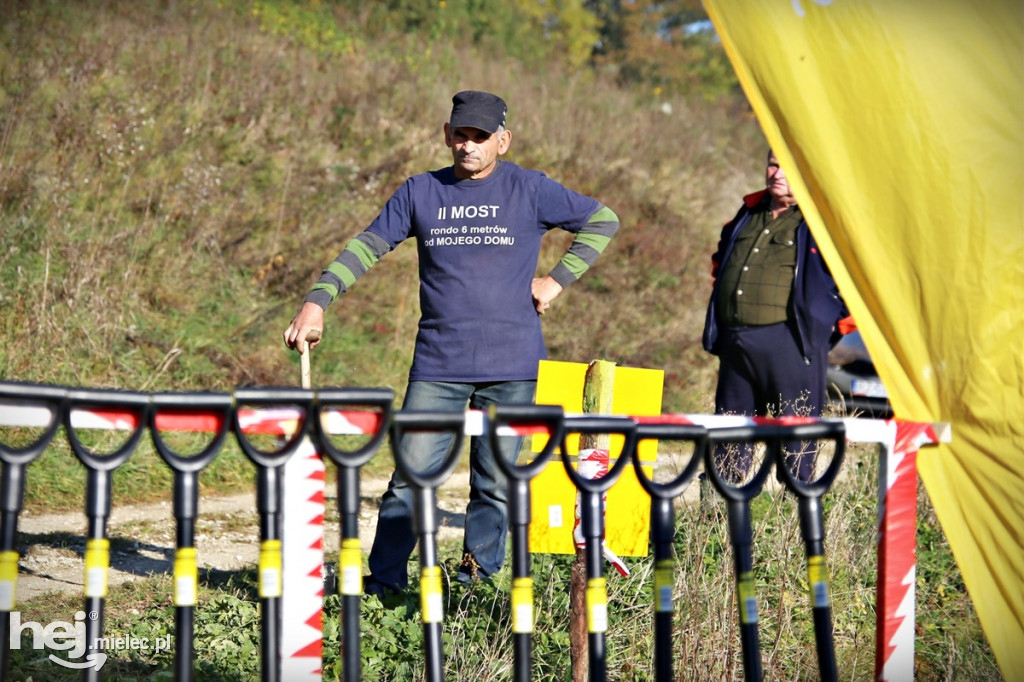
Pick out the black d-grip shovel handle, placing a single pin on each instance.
(424, 485)
(741, 534)
(694, 433)
(186, 507)
(404, 422)
(663, 528)
(217, 404)
(581, 424)
(381, 399)
(12, 481)
(269, 502)
(737, 434)
(50, 398)
(187, 467)
(820, 430)
(550, 416)
(15, 459)
(97, 497)
(135, 403)
(812, 528)
(301, 398)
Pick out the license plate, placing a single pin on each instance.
(868, 388)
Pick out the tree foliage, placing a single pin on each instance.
(669, 46)
(535, 32)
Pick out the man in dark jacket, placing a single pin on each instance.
(774, 313)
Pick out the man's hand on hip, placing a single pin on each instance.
(544, 290)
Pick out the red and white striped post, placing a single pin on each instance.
(303, 570)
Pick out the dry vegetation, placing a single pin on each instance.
(173, 177)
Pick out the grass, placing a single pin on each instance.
(169, 198)
(477, 637)
(174, 176)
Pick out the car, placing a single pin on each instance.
(854, 387)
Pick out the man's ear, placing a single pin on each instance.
(447, 135)
(505, 141)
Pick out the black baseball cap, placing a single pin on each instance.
(476, 109)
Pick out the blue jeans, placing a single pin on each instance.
(486, 526)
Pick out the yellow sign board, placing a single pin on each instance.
(637, 392)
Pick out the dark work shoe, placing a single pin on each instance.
(374, 587)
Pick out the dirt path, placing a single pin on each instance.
(227, 537)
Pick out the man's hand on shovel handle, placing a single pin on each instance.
(303, 334)
(305, 329)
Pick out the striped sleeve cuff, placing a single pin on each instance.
(360, 254)
(589, 243)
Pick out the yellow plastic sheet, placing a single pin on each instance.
(901, 127)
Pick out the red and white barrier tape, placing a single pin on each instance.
(593, 463)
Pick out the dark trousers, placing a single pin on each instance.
(762, 373)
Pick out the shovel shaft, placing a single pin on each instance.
(312, 336)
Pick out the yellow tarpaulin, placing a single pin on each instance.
(901, 128)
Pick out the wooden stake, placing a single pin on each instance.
(598, 387)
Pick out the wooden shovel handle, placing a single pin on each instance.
(311, 336)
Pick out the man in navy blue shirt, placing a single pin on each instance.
(478, 226)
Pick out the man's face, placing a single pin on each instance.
(475, 152)
(775, 180)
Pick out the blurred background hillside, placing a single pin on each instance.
(175, 174)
